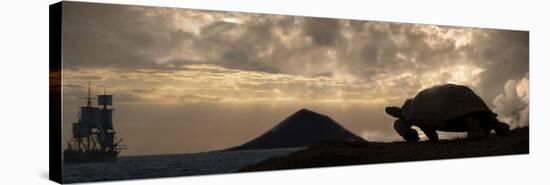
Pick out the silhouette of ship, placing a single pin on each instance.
(93, 134)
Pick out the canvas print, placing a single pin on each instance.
(145, 92)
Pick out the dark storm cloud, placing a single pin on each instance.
(138, 37)
(395, 48)
(323, 31)
(217, 28)
(505, 55)
(98, 35)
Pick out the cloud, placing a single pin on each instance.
(323, 31)
(512, 106)
(197, 98)
(365, 59)
(208, 82)
(367, 52)
(380, 58)
(504, 55)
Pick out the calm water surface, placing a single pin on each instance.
(137, 167)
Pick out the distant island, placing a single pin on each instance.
(301, 129)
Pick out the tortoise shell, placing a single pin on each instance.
(443, 102)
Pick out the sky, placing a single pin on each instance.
(194, 80)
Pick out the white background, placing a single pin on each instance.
(24, 87)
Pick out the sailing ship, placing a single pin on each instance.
(93, 133)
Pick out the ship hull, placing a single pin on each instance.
(73, 156)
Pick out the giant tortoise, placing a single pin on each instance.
(450, 108)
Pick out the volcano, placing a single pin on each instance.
(303, 128)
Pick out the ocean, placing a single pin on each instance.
(154, 166)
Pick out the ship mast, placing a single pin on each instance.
(89, 99)
(105, 95)
(89, 94)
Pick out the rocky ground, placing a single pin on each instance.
(352, 153)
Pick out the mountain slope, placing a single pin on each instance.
(301, 129)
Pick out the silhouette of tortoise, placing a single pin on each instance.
(450, 108)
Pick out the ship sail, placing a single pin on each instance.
(106, 114)
(80, 130)
(90, 117)
(106, 117)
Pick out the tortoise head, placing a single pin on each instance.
(500, 128)
(394, 111)
(399, 112)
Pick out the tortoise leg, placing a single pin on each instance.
(501, 128)
(473, 127)
(403, 128)
(431, 133)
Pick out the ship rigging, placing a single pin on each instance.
(93, 133)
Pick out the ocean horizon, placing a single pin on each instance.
(169, 165)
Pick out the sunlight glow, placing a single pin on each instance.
(213, 83)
